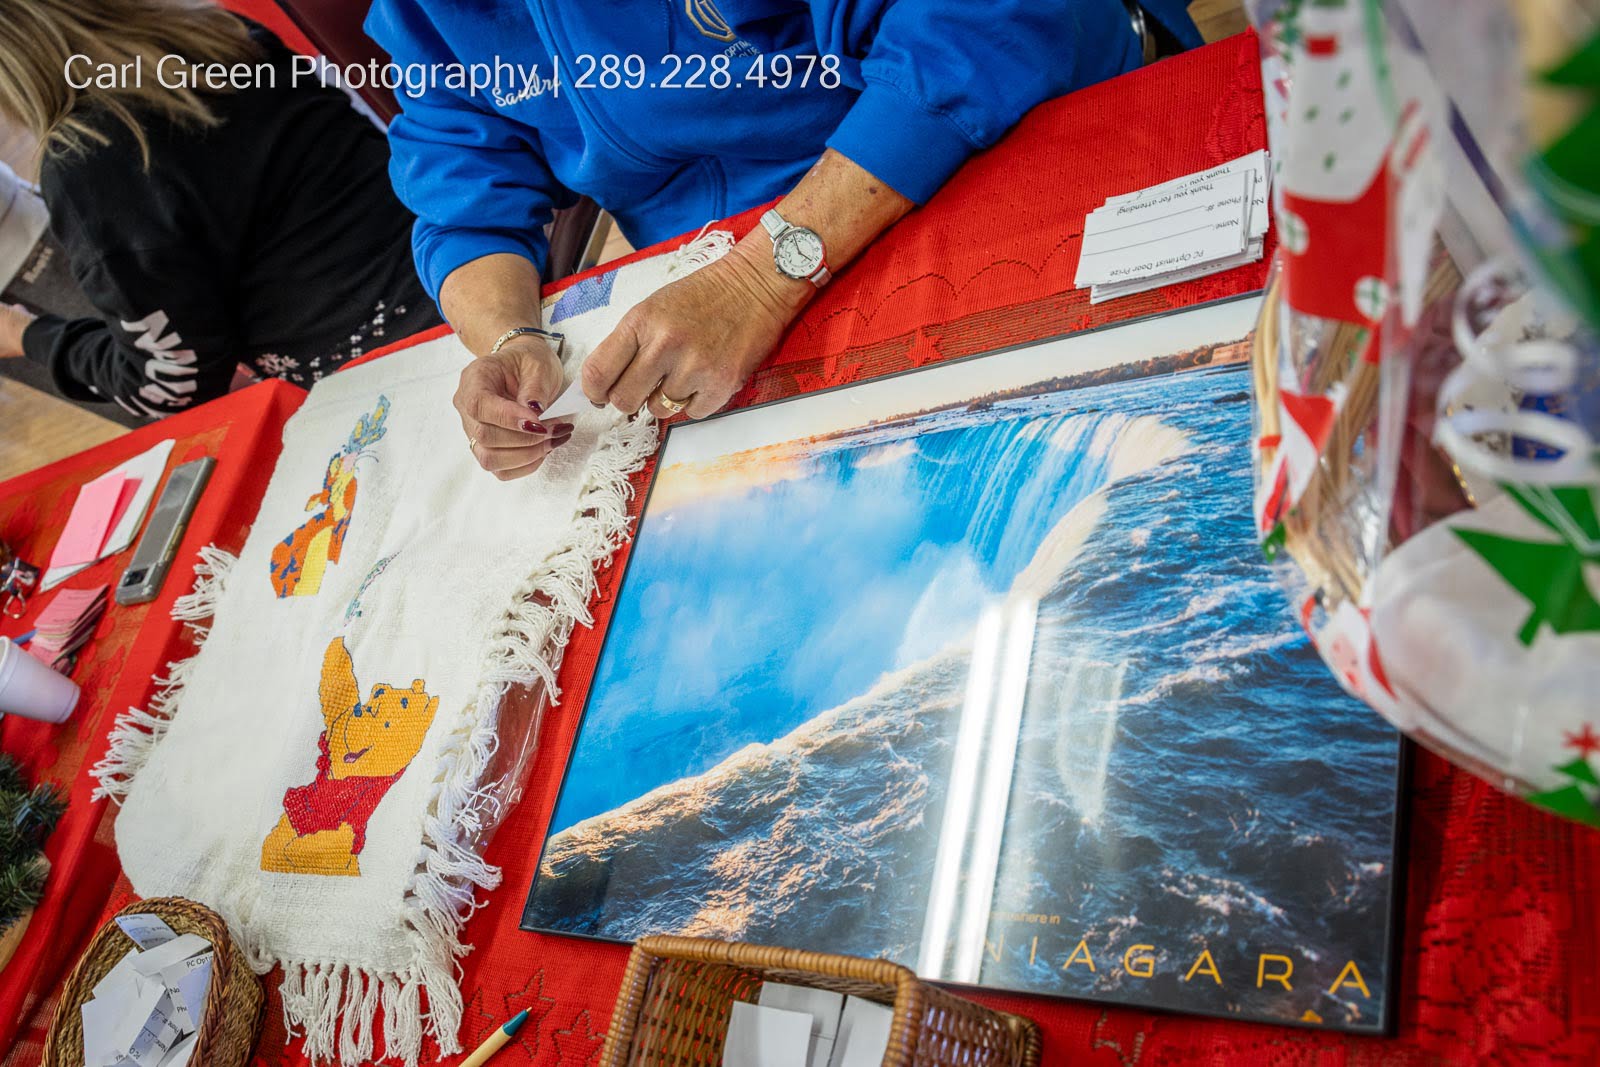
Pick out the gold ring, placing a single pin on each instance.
(472, 446)
(672, 406)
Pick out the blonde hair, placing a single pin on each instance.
(38, 37)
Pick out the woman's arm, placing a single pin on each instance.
(163, 341)
(939, 82)
(482, 194)
(501, 394)
(697, 340)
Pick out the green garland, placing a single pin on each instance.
(27, 817)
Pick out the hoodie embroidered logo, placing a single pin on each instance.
(708, 20)
(171, 369)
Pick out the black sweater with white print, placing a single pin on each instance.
(272, 241)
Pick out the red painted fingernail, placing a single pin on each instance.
(535, 405)
(533, 427)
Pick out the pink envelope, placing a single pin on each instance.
(93, 515)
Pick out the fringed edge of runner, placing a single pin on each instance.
(137, 731)
(335, 1006)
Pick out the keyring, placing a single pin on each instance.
(18, 578)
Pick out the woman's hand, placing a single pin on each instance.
(499, 399)
(14, 318)
(697, 340)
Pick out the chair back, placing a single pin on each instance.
(335, 27)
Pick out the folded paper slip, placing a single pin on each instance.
(316, 773)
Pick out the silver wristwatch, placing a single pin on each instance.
(796, 251)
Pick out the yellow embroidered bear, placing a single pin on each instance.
(364, 748)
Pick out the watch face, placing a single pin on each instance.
(798, 253)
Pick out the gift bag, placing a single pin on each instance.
(1428, 384)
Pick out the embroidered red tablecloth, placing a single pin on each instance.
(1500, 953)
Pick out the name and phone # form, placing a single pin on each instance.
(1182, 229)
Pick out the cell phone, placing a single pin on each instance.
(151, 560)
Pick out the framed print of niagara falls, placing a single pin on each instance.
(979, 668)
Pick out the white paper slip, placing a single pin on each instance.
(181, 1052)
(570, 402)
(56, 575)
(148, 467)
(823, 1007)
(147, 931)
(188, 981)
(158, 959)
(863, 1034)
(1099, 294)
(1255, 164)
(1191, 225)
(100, 1018)
(120, 1020)
(766, 1037)
(158, 1034)
(120, 974)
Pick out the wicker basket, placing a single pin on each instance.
(677, 997)
(234, 1002)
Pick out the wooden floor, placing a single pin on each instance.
(36, 429)
(40, 429)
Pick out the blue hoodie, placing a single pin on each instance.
(907, 89)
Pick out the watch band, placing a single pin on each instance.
(776, 226)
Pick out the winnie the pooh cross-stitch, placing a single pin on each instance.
(364, 749)
(299, 560)
(236, 748)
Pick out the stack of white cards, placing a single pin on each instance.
(147, 1010)
(795, 1026)
(1174, 232)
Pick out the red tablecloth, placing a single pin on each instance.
(1499, 933)
(243, 433)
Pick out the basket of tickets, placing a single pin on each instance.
(695, 1002)
(163, 985)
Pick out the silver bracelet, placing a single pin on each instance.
(558, 340)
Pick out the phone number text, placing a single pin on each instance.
(695, 71)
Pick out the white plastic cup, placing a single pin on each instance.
(31, 689)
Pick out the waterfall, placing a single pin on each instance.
(1017, 480)
(817, 567)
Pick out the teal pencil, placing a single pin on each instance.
(497, 1041)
